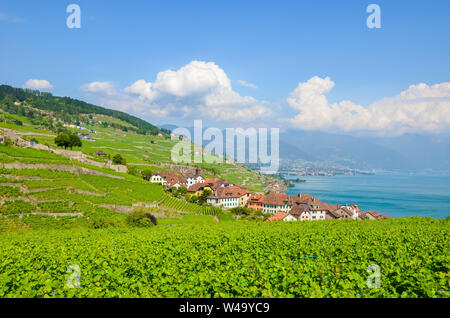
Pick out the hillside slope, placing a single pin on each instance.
(65, 108)
(40, 116)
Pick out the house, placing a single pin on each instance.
(198, 188)
(275, 202)
(255, 202)
(175, 180)
(158, 177)
(374, 215)
(86, 137)
(289, 218)
(194, 178)
(371, 215)
(297, 211)
(305, 216)
(317, 210)
(100, 153)
(344, 212)
(169, 179)
(229, 197)
(331, 215)
(282, 216)
(278, 216)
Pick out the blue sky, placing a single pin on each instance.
(274, 45)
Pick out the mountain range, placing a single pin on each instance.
(404, 153)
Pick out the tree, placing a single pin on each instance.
(240, 210)
(205, 194)
(8, 142)
(119, 160)
(62, 140)
(194, 199)
(141, 218)
(133, 171)
(67, 140)
(147, 174)
(74, 141)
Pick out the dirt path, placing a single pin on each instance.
(58, 167)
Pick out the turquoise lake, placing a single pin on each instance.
(394, 195)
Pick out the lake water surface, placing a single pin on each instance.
(394, 195)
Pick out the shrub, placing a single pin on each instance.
(119, 160)
(240, 210)
(141, 218)
(8, 142)
(147, 174)
(133, 171)
(102, 222)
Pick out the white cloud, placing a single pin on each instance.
(37, 84)
(201, 86)
(419, 108)
(105, 88)
(10, 18)
(247, 84)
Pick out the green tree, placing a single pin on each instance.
(147, 174)
(8, 142)
(67, 140)
(141, 218)
(74, 141)
(133, 171)
(63, 140)
(205, 194)
(194, 199)
(240, 210)
(119, 160)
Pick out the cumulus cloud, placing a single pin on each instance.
(37, 84)
(105, 88)
(420, 108)
(108, 96)
(201, 86)
(247, 84)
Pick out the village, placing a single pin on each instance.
(280, 206)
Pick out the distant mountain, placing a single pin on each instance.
(401, 153)
(422, 152)
(168, 127)
(407, 152)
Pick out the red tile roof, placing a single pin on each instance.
(297, 210)
(279, 216)
(231, 192)
(256, 198)
(375, 214)
(197, 186)
(276, 198)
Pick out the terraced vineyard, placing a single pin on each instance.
(93, 196)
(197, 257)
(180, 205)
(58, 216)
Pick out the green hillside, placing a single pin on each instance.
(60, 209)
(65, 108)
(40, 188)
(41, 116)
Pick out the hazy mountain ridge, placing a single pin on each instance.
(408, 152)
